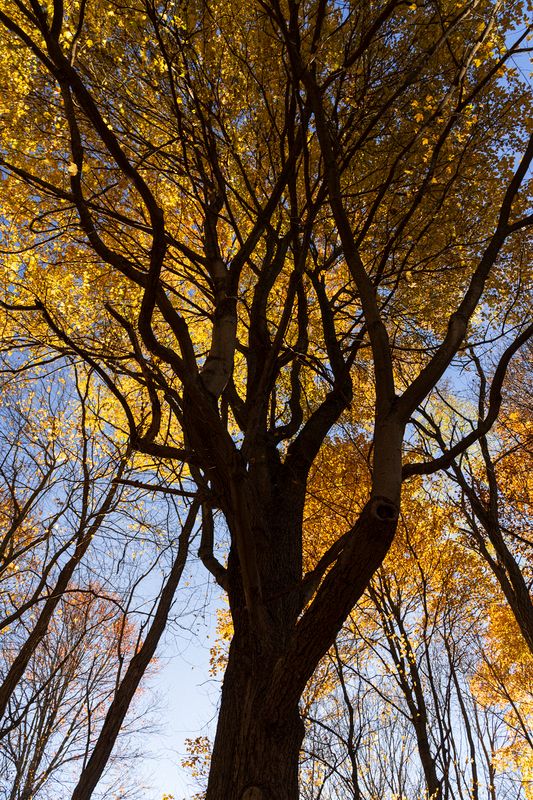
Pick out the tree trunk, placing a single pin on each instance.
(257, 745)
(256, 752)
(279, 638)
(259, 733)
(511, 580)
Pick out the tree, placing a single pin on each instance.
(78, 623)
(496, 494)
(59, 705)
(57, 493)
(244, 219)
(426, 692)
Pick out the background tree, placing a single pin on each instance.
(86, 570)
(495, 488)
(243, 219)
(58, 706)
(418, 696)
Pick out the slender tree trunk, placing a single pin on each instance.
(406, 667)
(40, 629)
(512, 582)
(504, 565)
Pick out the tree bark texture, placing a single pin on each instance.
(256, 751)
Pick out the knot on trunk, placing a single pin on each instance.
(383, 509)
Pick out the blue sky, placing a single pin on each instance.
(186, 698)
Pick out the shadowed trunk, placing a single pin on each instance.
(254, 758)
(260, 732)
(257, 745)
